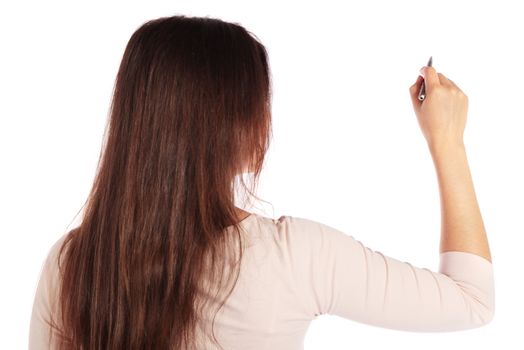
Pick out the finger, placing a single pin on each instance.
(444, 80)
(413, 89)
(448, 82)
(453, 83)
(431, 77)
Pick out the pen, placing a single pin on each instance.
(422, 91)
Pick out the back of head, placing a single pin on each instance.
(190, 110)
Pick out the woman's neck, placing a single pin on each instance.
(242, 214)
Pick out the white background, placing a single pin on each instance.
(347, 150)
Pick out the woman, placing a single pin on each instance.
(163, 259)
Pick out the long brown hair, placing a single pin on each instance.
(190, 109)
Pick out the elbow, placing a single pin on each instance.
(486, 314)
(477, 315)
(473, 278)
(482, 311)
(480, 305)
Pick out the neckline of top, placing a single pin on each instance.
(248, 218)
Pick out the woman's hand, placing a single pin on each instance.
(442, 114)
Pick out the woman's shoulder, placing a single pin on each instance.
(297, 228)
(51, 264)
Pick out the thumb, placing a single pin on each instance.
(431, 78)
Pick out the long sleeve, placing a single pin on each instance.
(44, 303)
(352, 281)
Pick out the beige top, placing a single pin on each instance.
(296, 269)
